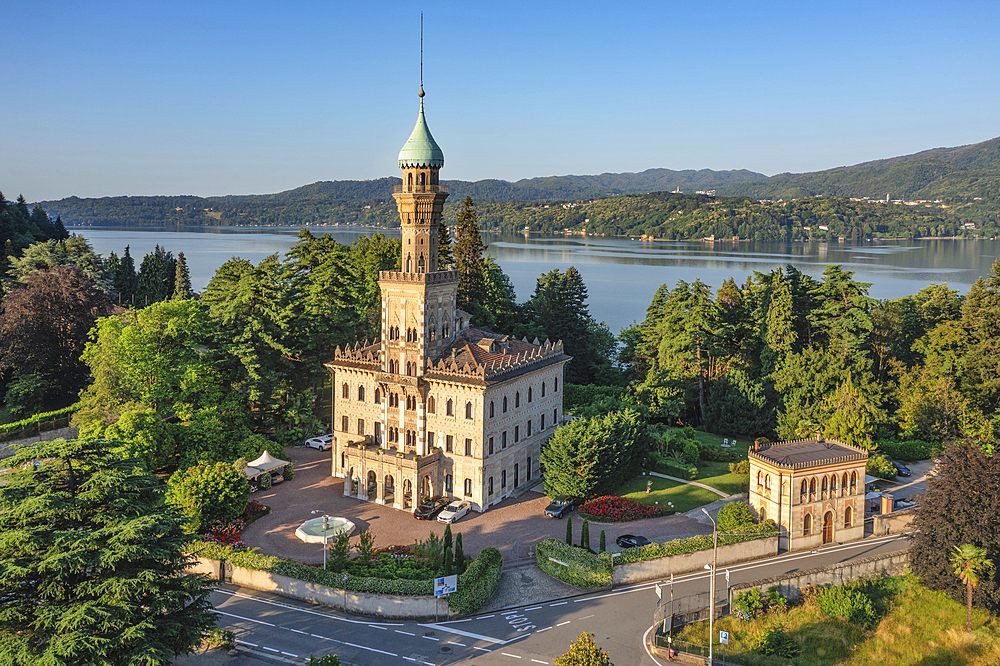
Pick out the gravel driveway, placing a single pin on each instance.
(514, 526)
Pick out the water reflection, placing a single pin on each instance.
(621, 274)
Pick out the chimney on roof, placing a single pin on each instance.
(819, 435)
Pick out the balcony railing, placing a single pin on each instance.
(419, 189)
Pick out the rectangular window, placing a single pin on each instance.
(555, 416)
(543, 421)
(448, 483)
(361, 426)
(491, 446)
(430, 440)
(490, 486)
(343, 423)
(378, 432)
(503, 479)
(468, 447)
(503, 440)
(517, 434)
(529, 428)
(448, 443)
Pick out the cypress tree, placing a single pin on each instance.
(459, 555)
(569, 530)
(126, 281)
(445, 257)
(603, 545)
(585, 535)
(182, 279)
(469, 251)
(447, 536)
(447, 560)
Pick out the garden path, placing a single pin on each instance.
(692, 483)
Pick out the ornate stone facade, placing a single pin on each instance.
(436, 406)
(814, 489)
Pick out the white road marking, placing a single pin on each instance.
(562, 623)
(409, 658)
(508, 612)
(467, 634)
(484, 617)
(302, 610)
(507, 654)
(482, 649)
(247, 643)
(431, 638)
(289, 654)
(541, 630)
(539, 662)
(317, 636)
(586, 616)
(532, 608)
(362, 647)
(561, 603)
(271, 649)
(240, 617)
(454, 643)
(404, 632)
(374, 626)
(298, 632)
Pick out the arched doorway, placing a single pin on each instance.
(389, 490)
(828, 527)
(425, 487)
(372, 485)
(407, 494)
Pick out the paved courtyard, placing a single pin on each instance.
(514, 526)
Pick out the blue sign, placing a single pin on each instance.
(724, 637)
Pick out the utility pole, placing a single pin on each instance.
(711, 603)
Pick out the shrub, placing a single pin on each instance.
(287, 473)
(603, 543)
(775, 642)
(687, 472)
(325, 660)
(741, 467)
(695, 543)
(879, 465)
(575, 566)
(613, 509)
(910, 450)
(569, 530)
(477, 584)
(38, 418)
(208, 494)
(735, 515)
(585, 535)
(847, 602)
(220, 638)
(264, 481)
(717, 454)
(692, 452)
(432, 549)
(750, 604)
(25, 395)
(227, 534)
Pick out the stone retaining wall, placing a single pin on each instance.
(893, 523)
(637, 572)
(791, 585)
(364, 603)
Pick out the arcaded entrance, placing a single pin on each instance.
(828, 527)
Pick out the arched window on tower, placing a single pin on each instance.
(409, 264)
(409, 181)
(420, 264)
(378, 397)
(802, 493)
(423, 179)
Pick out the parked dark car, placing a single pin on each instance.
(560, 506)
(429, 509)
(631, 541)
(900, 469)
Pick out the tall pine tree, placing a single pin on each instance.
(182, 278)
(469, 251)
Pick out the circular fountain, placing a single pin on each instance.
(311, 531)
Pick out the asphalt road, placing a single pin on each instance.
(288, 631)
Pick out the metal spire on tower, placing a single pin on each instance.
(421, 93)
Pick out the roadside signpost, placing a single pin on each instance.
(724, 639)
(444, 586)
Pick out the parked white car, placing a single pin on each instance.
(323, 442)
(454, 511)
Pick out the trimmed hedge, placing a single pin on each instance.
(701, 542)
(583, 568)
(478, 583)
(475, 586)
(910, 450)
(23, 424)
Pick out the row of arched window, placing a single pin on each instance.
(807, 521)
(827, 487)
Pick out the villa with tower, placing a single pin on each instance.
(438, 407)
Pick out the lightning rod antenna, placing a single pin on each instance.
(421, 54)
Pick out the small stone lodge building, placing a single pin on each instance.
(437, 406)
(814, 489)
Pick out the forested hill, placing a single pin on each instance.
(966, 179)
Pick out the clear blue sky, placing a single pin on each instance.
(106, 98)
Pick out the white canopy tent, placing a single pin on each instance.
(266, 463)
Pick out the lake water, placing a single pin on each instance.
(621, 274)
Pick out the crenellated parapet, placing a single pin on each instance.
(507, 364)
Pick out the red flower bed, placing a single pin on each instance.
(228, 534)
(404, 551)
(254, 511)
(620, 509)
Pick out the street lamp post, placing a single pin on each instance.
(711, 603)
(326, 526)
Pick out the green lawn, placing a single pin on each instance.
(684, 496)
(918, 627)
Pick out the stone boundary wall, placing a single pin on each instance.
(791, 585)
(893, 523)
(363, 603)
(662, 567)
